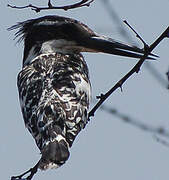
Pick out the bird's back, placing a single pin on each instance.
(54, 91)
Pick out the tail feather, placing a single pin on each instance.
(54, 154)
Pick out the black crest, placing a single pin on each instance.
(52, 26)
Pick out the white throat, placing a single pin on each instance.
(60, 45)
(30, 56)
(56, 46)
(52, 46)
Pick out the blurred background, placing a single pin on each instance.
(108, 148)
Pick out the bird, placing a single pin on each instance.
(53, 84)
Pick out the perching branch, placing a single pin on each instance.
(107, 4)
(32, 172)
(135, 69)
(37, 9)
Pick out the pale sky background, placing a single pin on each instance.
(107, 148)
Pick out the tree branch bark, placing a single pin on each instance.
(135, 69)
(37, 9)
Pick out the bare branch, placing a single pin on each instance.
(162, 141)
(116, 20)
(161, 131)
(137, 35)
(37, 9)
(32, 172)
(107, 4)
(158, 132)
(135, 69)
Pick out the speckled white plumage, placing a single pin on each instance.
(54, 88)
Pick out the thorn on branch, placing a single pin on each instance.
(135, 69)
(121, 87)
(100, 97)
(49, 4)
(37, 9)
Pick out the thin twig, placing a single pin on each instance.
(107, 4)
(137, 35)
(37, 9)
(162, 141)
(135, 69)
(32, 172)
(116, 20)
(135, 122)
(161, 80)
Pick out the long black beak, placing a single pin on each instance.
(110, 46)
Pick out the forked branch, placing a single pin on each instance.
(32, 172)
(37, 9)
(135, 69)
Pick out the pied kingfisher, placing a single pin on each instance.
(54, 87)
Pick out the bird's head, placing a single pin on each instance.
(52, 34)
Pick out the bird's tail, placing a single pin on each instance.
(54, 153)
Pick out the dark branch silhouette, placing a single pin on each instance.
(32, 172)
(137, 35)
(135, 69)
(37, 9)
(116, 19)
